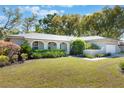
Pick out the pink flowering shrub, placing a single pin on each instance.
(8, 48)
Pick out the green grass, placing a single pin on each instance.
(63, 72)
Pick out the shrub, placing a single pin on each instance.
(100, 55)
(36, 55)
(53, 53)
(108, 54)
(92, 46)
(88, 45)
(4, 60)
(88, 56)
(77, 47)
(15, 58)
(122, 52)
(122, 65)
(25, 48)
(8, 48)
(48, 53)
(39, 51)
(24, 56)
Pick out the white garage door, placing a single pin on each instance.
(111, 49)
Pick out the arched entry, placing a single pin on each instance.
(38, 45)
(52, 45)
(63, 46)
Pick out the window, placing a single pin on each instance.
(38, 45)
(63, 46)
(35, 45)
(52, 45)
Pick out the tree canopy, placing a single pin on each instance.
(109, 22)
(12, 21)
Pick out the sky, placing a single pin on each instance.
(43, 10)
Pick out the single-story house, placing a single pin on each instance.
(49, 41)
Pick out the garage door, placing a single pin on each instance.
(111, 49)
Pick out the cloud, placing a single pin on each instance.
(68, 6)
(3, 18)
(47, 6)
(29, 9)
(62, 11)
(51, 6)
(39, 11)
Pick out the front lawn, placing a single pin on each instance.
(63, 72)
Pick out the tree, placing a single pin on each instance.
(14, 31)
(12, 21)
(62, 25)
(57, 25)
(38, 28)
(47, 25)
(71, 25)
(109, 22)
(29, 23)
(93, 23)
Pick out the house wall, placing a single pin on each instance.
(45, 42)
(121, 48)
(18, 41)
(103, 43)
(93, 51)
(100, 43)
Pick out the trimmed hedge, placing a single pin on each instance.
(77, 47)
(48, 53)
(53, 54)
(100, 55)
(36, 55)
(88, 56)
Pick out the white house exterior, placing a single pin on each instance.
(49, 41)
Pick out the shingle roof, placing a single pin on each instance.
(54, 37)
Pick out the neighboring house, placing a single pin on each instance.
(49, 41)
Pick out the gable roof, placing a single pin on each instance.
(54, 37)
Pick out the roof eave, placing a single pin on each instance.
(15, 37)
(48, 39)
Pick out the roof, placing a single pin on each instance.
(54, 37)
(43, 36)
(88, 38)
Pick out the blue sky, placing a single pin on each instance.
(43, 10)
